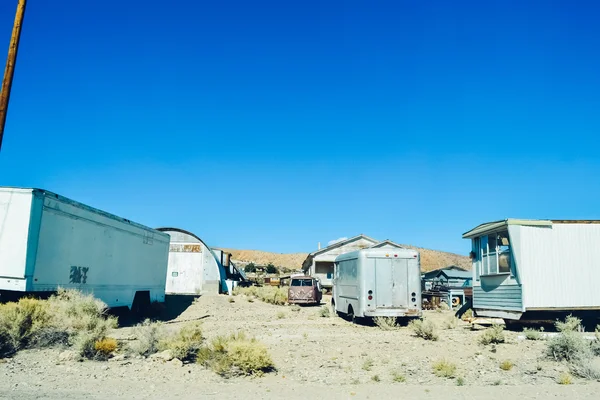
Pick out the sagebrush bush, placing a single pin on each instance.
(444, 369)
(386, 323)
(424, 329)
(586, 369)
(533, 334)
(444, 306)
(184, 343)
(68, 317)
(368, 364)
(568, 345)
(398, 377)
(84, 317)
(570, 324)
(21, 323)
(147, 335)
(493, 335)
(235, 354)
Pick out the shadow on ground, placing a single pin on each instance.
(172, 308)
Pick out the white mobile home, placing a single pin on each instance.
(48, 241)
(378, 283)
(536, 269)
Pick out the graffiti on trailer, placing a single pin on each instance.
(78, 274)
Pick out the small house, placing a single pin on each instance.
(451, 276)
(319, 264)
(535, 269)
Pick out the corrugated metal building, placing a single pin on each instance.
(319, 264)
(194, 268)
(526, 268)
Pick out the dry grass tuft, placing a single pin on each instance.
(105, 347)
(564, 379)
(444, 369)
(506, 365)
(398, 377)
(533, 334)
(148, 334)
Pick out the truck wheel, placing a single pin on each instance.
(350, 315)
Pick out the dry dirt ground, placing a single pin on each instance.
(316, 357)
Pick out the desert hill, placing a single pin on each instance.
(430, 259)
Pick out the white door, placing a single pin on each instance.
(185, 273)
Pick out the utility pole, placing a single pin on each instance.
(10, 65)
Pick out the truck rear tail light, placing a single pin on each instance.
(370, 297)
(413, 294)
(370, 292)
(414, 300)
(395, 255)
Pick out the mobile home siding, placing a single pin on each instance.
(504, 297)
(560, 265)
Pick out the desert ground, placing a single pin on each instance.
(315, 357)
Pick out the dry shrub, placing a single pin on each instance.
(444, 369)
(443, 306)
(568, 345)
(533, 334)
(83, 317)
(424, 329)
(105, 347)
(386, 323)
(571, 324)
(280, 315)
(184, 343)
(67, 318)
(368, 364)
(493, 335)
(148, 334)
(586, 369)
(21, 323)
(235, 355)
(267, 294)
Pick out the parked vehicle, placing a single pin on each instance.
(377, 282)
(48, 241)
(304, 290)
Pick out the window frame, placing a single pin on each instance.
(485, 269)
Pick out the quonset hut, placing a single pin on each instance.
(194, 268)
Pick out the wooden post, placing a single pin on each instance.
(10, 65)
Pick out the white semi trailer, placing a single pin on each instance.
(48, 241)
(377, 283)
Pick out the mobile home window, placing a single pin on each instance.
(495, 254)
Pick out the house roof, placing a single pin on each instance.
(386, 242)
(450, 273)
(496, 225)
(375, 244)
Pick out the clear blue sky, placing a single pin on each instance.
(276, 125)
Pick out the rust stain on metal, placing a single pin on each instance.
(185, 248)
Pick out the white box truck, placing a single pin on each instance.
(48, 241)
(377, 283)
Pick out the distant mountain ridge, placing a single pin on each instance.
(430, 259)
